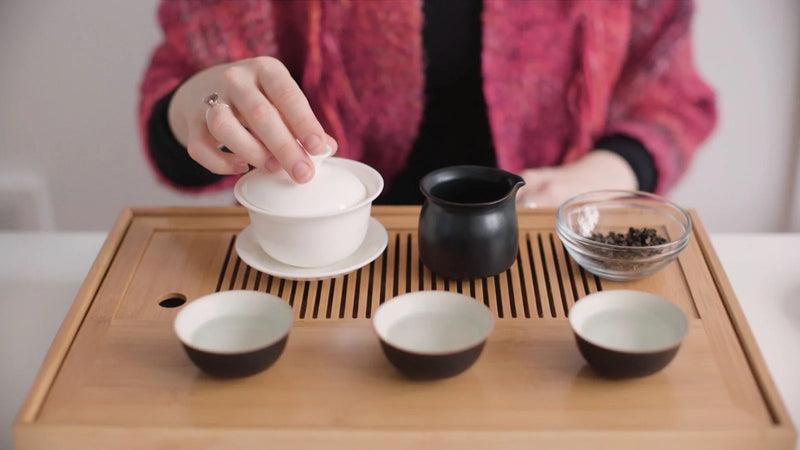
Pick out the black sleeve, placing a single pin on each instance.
(632, 151)
(170, 157)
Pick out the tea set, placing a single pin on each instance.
(467, 229)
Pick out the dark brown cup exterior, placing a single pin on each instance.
(235, 365)
(419, 366)
(618, 364)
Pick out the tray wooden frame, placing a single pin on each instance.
(115, 376)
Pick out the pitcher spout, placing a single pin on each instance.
(516, 181)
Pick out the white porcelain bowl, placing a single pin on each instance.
(306, 231)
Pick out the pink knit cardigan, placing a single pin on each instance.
(557, 75)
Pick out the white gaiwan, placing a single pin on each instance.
(312, 224)
(333, 188)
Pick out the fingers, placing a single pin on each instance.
(226, 129)
(263, 118)
(281, 89)
(543, 188)
(552, 186)
(278, 124)
(265, 122)
(202, 147)
(545, 195)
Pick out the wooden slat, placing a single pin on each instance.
(362, 281)
(273, 285)
(579, 278)
(375, 290)
(392, 262)
(307, 299)
(526, 279)
(490, 296)
(331, 301)
(568, 291)
(548, 287)
(416, 264)
(404, 260)
(561, 289)
(515, 292)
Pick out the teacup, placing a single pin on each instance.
(234, 333)
(627, 333)
(432, 334)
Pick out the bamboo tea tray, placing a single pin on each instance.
(117, 377)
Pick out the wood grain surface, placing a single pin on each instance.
(117, 377)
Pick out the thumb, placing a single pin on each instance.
(535, 193)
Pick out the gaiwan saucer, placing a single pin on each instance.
(373, 246)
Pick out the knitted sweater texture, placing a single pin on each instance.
(557, 75)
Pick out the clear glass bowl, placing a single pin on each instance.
(600, 212)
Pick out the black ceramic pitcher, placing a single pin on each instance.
(468, 223)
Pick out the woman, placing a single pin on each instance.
(573, 95)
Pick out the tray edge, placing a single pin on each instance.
(72, 321)
(777, 410)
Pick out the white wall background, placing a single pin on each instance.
(69, 77)
(69, 73)
(744, 177)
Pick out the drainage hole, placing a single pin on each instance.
(172, 300)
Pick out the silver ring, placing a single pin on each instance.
(528, 204)
(213, 100)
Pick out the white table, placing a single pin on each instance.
(40, 274)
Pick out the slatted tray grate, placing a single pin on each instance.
(543, 283)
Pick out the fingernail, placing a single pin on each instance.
(311, 141)
(333, 144)
(301, 171)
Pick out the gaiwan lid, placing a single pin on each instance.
(332, 189)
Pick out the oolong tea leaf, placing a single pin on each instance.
(635, 237)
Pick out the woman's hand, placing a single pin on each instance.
(264, 119)
(551, 186)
